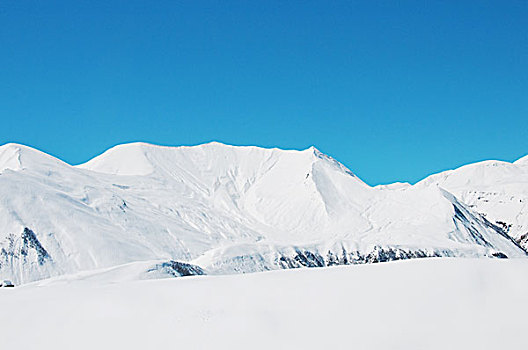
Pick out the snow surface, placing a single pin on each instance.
(228, 209)
(418, 304)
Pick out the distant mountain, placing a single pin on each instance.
(216, 208)
(497, 190)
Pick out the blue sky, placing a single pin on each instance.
(394, 90)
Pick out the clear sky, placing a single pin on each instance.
(395, 90)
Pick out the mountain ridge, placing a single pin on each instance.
(230, 208)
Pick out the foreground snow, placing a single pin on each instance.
(416, 304)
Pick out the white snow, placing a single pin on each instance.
(232, 209)
(417, 304)
(497, 189)
(101, 240)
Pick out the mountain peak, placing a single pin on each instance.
(14, 156)
(11, 146)
(123, 159)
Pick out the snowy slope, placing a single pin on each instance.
(427, 304)
(223, 209)
(498, 190)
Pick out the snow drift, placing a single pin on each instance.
(432, 304)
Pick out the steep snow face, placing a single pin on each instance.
(222, 206)
(10, 158)
(289, 194)
(498, 190)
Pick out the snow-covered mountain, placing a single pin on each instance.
(498, 190)
(216, 208)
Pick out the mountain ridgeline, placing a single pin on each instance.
(219, 209)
